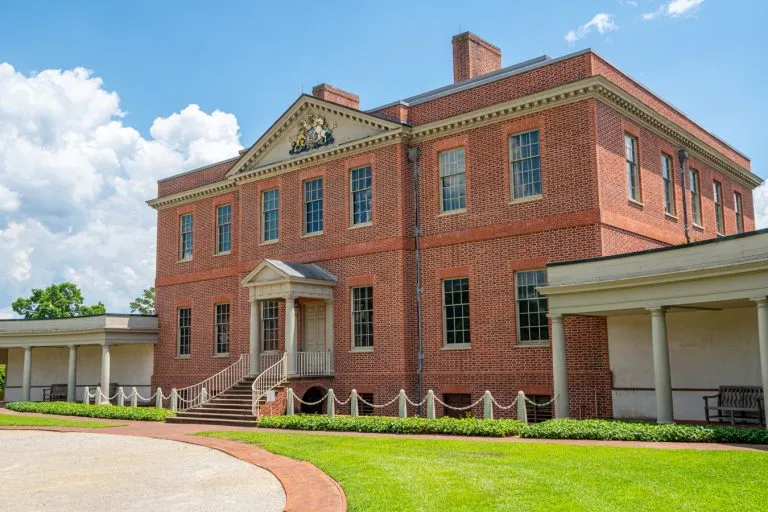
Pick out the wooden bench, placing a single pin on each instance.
(55, 393)
(742, 404)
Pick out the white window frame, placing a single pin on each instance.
(265, 211)
(186, 235)
(217, 324)
(695, 187)
(717, 199)
(459, 165)
(179, 328)
(367, 191)
(668, 182)
(352, 301)
(306, 203)
(220, 231)
(468, 331)
(518, 300)
(531, 158)
(738, 209)
(263, 319)
(631, 154)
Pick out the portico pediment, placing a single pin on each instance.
(311, 126)
(280, 279)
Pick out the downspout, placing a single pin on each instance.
(683, 156)
(413, 157)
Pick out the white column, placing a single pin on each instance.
(559, 367)
(254, 345)
(291, 334)
(26, 383)
(663, 379)
(762, 334)
(105, 367)
(72, 373)
(329, 335)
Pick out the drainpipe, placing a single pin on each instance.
(683, 156)
(413, 157)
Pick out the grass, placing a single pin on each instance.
(109, 412)
(399, 474)
(12, 420)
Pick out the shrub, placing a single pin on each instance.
(605, 430)
(111, 412)
(390, 425)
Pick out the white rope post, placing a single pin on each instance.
(134, 397)
(355, 411)
(289, 401)
(120, 397)
(430, 404)
(203, 396)
(174, 400)
(97, 398)
(331, 404)
(402, 407)
(522, 410)
(159, 398)
(86, 395)
(487, 405)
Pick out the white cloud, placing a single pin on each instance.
(74, 178)
(674, 9)
(602, 22)
(760, 197)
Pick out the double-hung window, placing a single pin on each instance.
(737, 208)
(313, 206)
(695, 196)
(668, 180)
(362, 317)
(222, 329)
(453, 190)
(532, 308)
(185, 237)
(526, 164)
(362, 193)
(717, 191)
(184, 331)
(223, 228)
(270, 220)
(456, 311)
(269, 325)
(633, 171)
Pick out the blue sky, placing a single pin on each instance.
(243, 64)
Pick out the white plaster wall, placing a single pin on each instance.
(707, 349)
(131, 365)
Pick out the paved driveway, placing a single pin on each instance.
(56, 471)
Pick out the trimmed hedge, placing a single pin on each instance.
(390, 425)
(111, 412)
(606, 430)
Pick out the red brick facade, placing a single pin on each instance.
(583, 212)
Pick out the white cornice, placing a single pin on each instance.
(191, 195)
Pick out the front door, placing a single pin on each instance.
(313, 360)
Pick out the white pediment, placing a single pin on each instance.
(310, 126)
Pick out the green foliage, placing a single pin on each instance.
(605, 430)
(110, 412)
(8, 420)
(2, 380)
(144, 305)
(62, 300)
(389, 425)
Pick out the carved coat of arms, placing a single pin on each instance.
(313, 132)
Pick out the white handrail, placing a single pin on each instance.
(193, 396)
(268, 380)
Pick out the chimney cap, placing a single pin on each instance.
(476, 39)
(333, 94)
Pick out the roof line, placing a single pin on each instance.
(116, 315)
(197, 169)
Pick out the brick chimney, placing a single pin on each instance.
(473, 57)
(329, 93)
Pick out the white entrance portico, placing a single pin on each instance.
(273, 280)
(682, 321)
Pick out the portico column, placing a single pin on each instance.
(105, 363)
(663, 380)
(291, 334)
(72, 373)
(559, 367)
(26, 383)
(254, 345)
(762, 334)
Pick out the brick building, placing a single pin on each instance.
(312, 241)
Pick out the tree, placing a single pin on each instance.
(145, 304)
(62, 300)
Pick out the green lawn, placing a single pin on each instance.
(13, 420)
(409, 474)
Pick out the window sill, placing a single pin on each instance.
(638, 204)
(362, 225)
(670, 216)
(719, 233)
(697, 226)
(310, 235)
(527, 199)
(453, 212)
(182, 357)
(457, 346)
(225, 253)
(220, 356)
(362, 350)
(538, 344)
(270, 242)
(186, 260)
